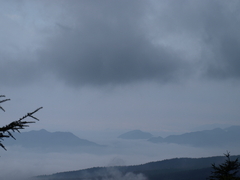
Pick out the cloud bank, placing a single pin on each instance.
(122, 42)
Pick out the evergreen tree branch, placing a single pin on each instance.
(5, 131)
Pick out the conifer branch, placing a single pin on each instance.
(3, 101)
(15, 125)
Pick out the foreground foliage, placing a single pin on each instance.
(227, 170)
(5, 131)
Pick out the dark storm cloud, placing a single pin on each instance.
(110, 41)
(110, 45)
(226, 58)
(119, 42)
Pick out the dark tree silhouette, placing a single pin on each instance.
(5, 131)
(227, 170)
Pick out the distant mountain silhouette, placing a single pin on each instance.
(136, 134)
(210, 127)
(174, 169)
(48, 140)
(215, 137)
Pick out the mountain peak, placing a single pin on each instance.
(49, 140)
(136, 134)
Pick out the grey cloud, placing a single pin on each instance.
(111, 42)
(18, 65)
(227, 59)
(120, 42)
(216, 24)
(110, 46)
(222, 41)
(18, 73)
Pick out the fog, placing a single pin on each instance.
(18, 162)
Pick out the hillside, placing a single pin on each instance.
(174, 169)
(51, 141)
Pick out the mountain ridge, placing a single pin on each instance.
(175, 169)
(216, 137)
(135, 134)
(43, 139)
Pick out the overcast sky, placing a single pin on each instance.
(164, 65)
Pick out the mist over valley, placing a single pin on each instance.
(43, 152)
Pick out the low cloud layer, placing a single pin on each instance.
(121, 42)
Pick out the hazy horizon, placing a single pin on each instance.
(24, 162)
(28, 162)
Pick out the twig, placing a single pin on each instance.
(15, 125)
